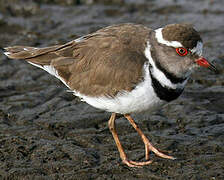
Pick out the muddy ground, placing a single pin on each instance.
(47, 133)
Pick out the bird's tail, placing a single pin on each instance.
(51, 59)
(40, 56)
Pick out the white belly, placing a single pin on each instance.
(142, 98)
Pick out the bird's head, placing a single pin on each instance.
(179, 49)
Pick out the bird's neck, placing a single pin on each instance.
(166, 85)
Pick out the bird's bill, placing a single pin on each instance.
(205, 63)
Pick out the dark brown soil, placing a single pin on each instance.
(47, 133)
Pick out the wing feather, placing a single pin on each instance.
(103, 63)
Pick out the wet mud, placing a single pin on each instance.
(47, 133)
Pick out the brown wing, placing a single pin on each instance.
(103, 63)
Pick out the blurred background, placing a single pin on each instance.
(47, 133)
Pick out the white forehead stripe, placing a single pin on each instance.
(160, 39)
(198, 49)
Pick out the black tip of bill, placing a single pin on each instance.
(213, 68)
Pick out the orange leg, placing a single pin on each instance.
(148, 146)
(111, 124)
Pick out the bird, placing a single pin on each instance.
(124, 69)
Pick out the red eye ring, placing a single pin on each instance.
(181, 51)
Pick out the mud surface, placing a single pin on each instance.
(47, 133)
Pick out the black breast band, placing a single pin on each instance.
(163, 92)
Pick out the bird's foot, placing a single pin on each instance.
(135, 164)
(149, 147)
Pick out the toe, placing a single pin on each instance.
(136, 164)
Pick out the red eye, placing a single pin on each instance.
(181, 51)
